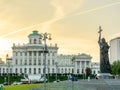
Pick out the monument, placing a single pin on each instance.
(104, 57)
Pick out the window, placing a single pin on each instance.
(20, 70)
(35, 41)
(7, 70)
(53, 62)
(29, 70)
(30, 53)
(10, 70)
(53, 70)
(25, 70)
(87, 62)
(62, 70)
(30, 62)
(39, 53)
(25, 53)
(39, 62)
(39, 70)
(16, 61)
(34, 61)
(34, 70)
(25, 62)
(34, 53)
(16, 70)
(48, 62)
(65, 70)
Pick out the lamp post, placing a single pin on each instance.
(8, 72)
(73, 61)
(56, 63)
(44, 37)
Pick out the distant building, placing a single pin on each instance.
(75, 64)
(95, 66)
(114, 49)
(29, 59)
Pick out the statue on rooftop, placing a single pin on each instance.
(104, 57)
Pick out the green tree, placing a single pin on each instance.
(88, 71)
(116, 68)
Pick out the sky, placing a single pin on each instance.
(73, 24)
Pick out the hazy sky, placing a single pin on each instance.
(72, 23)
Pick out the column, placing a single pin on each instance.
(80, 67)
(75, 68)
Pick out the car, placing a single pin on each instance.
(16, 83)
(5, 83)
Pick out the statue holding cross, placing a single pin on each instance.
(104, 57)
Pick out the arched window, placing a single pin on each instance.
(16, 71)
(25, 70)
(53, 70)
(35, 41)
(20, 70)
(29, 70)
(34, 70)
(39, 70)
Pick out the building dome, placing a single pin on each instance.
(35, 38)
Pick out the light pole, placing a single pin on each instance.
(44, 37)
(56, 63)
(73, 62)
(8, 72)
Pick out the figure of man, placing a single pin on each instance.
(104, 58)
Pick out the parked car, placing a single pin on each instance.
(5, 83)
(16, 83)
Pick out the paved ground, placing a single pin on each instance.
(106, 84)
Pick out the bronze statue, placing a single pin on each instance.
(104, 57)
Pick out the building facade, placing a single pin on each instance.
(114, 49)
(30, 58)
(95, 68)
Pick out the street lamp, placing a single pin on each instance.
(44, 37)
(8, 72)
(73, 62)
(56, 63)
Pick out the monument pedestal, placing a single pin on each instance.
(104, 76)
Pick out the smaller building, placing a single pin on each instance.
(114, 49)
(75, 64)
(95, 66)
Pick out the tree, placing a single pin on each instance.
(116, 68)
(88, 71)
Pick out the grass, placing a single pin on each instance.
(22, 87)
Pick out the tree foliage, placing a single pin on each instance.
(116, 68)
(88, 71)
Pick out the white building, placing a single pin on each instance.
(29, 59)
(75, 64)
(114, 49)
(95, 68)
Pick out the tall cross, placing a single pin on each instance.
(100, 30)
